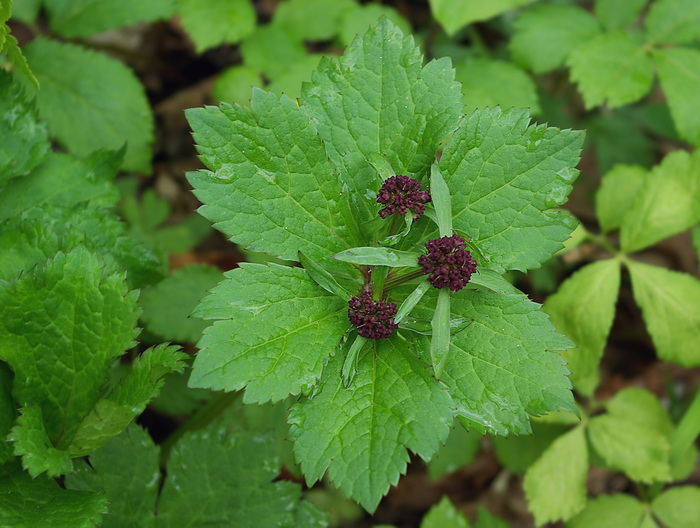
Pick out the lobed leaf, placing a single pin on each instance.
(505, 176)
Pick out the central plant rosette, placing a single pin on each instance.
(398, 320)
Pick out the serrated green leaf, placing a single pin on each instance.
(546, 34)
(167, 305)
(627, 440)
(355, 22)
(60, 181)
(74, 313)
(506, 177)
(444, 515)
(614, 15)
(42, 503)
(679, 73)
(667, 203)
(216, 22)
(274, 190)
(274, 339)
(10, 47)
(378, 256)
(311, 19)
(394, 404)
(83, 18)
(81, 91)
(670, 303)
(555, 485)
(32, 443)
(584, 309)
(612, 68)
(234, 85)
(129, 398)
(611, 511)
(500, 368)
(487, 83)
(673, 21)
(518, 453)
(616, 194)
(391, 105)
(458, 451)
(23, 138)
(271, 51)
(678, 507)
(454, 14)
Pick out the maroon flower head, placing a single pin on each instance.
(373, 319)
(399, 194)
(448, 264)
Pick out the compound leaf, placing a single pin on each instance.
(274, 339)
(546, 34)
(360, 435)
(273, 189)
(583, 309)
(217, 22)
(505, 176)
(91, 101)
(613, 68)
(670, 303)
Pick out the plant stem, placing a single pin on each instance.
(393, 282)
(206, 415)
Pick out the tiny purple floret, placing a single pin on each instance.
(448, 264)
(373, 319)
(399, 194)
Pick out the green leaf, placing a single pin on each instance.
(323, 278)
(8, 412)
(60, 181)
(444, 515)
(23, 138)
(485, 519)
(518, 453)
(411, 301)
(670, 303)
(627, 440)
(10, 48)
(611, 511)
(440, 194)
(168, 304)
(355, 22)
(391, 105)
(673, 21)
(217, 22)
(347, 373)
(500, 368)
(678, 507)
(274, 339)
(129, 398)
(613, 68)
(42, 503)
(395, 404)
(271, 51)
(35, 447)
(454, 14)
(667, 203)
(83, 18)
(234, 85)
(81, 91)
(72, 312)
(546, 34)
(584, 309)
(311, 19)
(679, 75)
(614, 15)
(290, 81)
(555, 485)
(459, 450)
(616, 194)
(25, 10)
(440, 325)
(378, 256)
(488, 83)
(505, 177)
(274, 190)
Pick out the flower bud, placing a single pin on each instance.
(448, 264)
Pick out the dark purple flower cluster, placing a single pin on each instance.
(401, 193)
(373, 319)
(448, 264)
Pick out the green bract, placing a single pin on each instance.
(294, 178)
